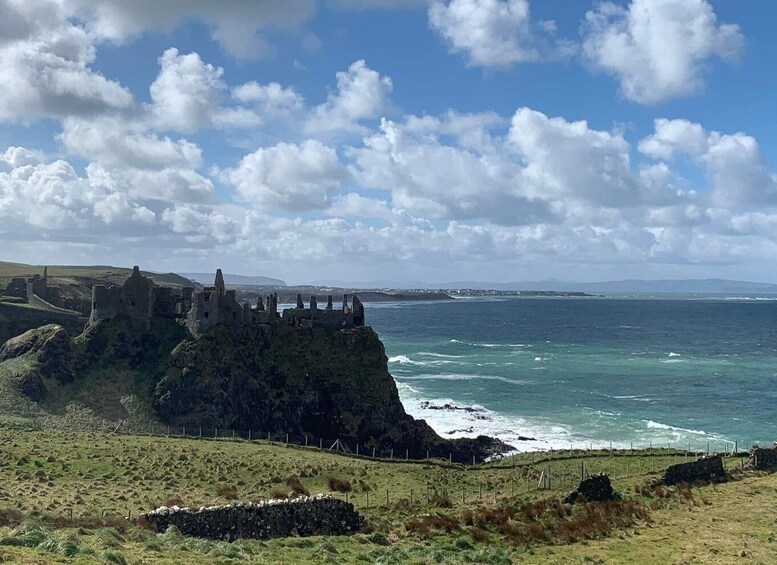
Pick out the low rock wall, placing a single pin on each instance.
(306, 516)
(596, 488)
(762, 458)
(700, 470)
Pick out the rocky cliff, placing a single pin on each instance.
(312, 382)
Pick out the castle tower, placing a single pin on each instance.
(46, 275)
(313, 304)
(219, 284)
(329, 303)
(300, 305)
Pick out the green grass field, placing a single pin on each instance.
(64, 498)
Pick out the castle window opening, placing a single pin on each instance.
(206, 314)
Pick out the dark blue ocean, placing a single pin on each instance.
(585, 371)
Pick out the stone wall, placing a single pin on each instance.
(704, 469)
(762, 458)
(305, 516)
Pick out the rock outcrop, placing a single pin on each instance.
(307, 516)
(305, 382)
(596, 488)
(50, 347)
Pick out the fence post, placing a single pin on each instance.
(215, 431)
(287, 439)
(407, 454)
(320, 444)
(427, 455)
(450, 457)
(306, 440)
(249, 435)
(233, 434)
(184, 431)
(357, 449)
(392, 453)
(473, 459)
(373, 453)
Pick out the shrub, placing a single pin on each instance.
(227, 491)
(279, 492)
(338, 485)
(479, 535)
(114, 557)
(10, 517)
(296, 486)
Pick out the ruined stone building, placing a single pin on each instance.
(141, 300)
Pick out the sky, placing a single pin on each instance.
(424, 140)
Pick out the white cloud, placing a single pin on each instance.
(658, 49)
(738, 173)
(144, 164)
(238, 27)
(270, 99)
(186, 96)
(362, 94)
(38, 196)
(46, 66)
(495, 33)
(288, 176)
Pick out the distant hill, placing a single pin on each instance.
(675, 286)
(105, 274)
(236, 280)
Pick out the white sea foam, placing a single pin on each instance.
(467, 377)
(673, 354)
(659, 426)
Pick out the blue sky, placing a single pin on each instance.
(392, 139)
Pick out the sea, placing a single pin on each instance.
(541, 373)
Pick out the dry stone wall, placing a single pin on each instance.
(762, 458)
(704, 469)
(305, 516)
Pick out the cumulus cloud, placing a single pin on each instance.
(145, 164)
(737, 171)
(494, 33)
(288, 176)
(270, 99)
(361, 94)
(658, 49)
(38, 195)
(239, 28)
(186, 96)
(46, 65)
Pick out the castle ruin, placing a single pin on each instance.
(141, 300)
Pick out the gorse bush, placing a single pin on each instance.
(296, 486)
(338, 485)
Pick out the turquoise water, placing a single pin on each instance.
(588, 371)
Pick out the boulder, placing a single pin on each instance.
(596, 488)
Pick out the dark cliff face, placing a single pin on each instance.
(316, 382)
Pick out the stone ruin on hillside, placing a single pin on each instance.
(141, 300)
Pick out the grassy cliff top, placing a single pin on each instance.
(104, 477)
(102, 273)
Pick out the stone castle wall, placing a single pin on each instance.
(763, 458)
(140, 300)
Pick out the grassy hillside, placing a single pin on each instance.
(44, 475)
(105, 274)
